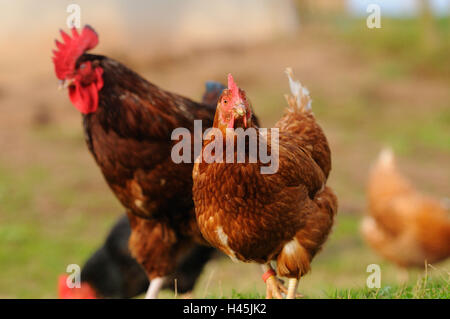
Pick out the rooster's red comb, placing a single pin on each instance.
(71, 49)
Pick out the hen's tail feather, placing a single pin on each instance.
(299, 99)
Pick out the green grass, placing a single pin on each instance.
(432, 290)
(432, 283)
(423, 289)
(405, 42)
(39, 239)
(431, 131)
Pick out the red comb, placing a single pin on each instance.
(84, 292)
(233, 87)
(71, 49)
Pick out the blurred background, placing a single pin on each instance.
(370, 88)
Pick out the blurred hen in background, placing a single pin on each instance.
(403, 225)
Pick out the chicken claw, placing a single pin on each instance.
(275, 287)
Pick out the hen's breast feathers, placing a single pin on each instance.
(257, 212)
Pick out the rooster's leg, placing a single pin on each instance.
(272, 283)
(292, 288)
(154, 288)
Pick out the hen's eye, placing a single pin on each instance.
(225, 101)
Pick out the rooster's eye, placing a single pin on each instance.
(83, 65)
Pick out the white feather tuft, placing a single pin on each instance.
(299, 92)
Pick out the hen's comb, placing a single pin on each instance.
(71, 49)
(233, 88)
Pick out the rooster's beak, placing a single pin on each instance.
(64, 84)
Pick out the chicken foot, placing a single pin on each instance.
(274, 286)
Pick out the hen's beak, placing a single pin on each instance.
(240, 111)
(64, 84)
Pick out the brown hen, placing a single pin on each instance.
(284, 216)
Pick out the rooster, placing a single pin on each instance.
(128, 123)
(111, 272)
(254, 217)
(404, 226)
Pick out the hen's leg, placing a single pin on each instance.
(154, 288)
(272, 283)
